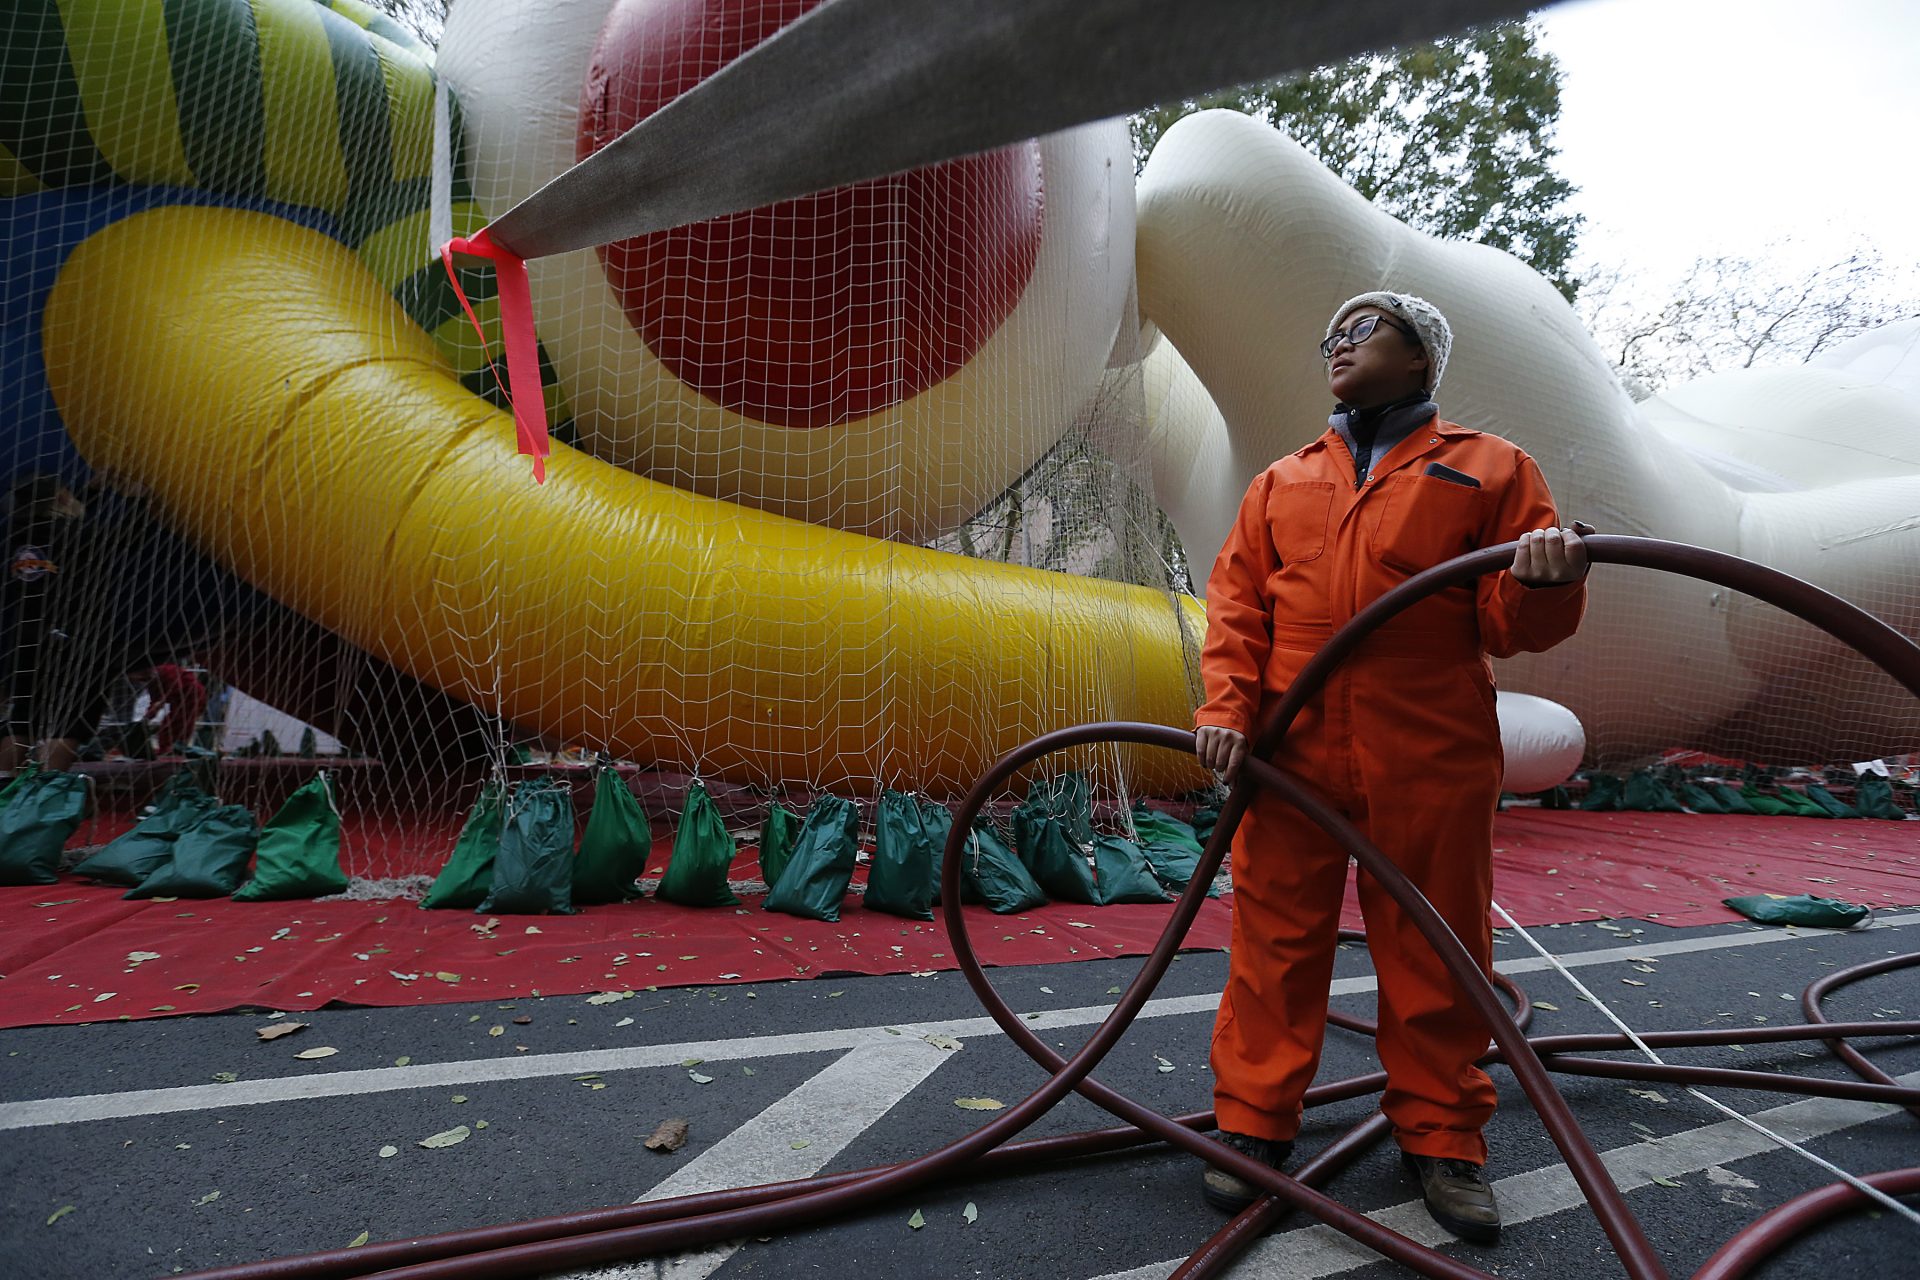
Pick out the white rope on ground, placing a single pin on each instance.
(1872, 1193)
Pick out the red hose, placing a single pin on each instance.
(632, 1231)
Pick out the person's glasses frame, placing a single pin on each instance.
(1363, 329)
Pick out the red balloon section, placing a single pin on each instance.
(820, 310)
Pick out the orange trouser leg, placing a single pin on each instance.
(1288, 878)
(1429, 1033)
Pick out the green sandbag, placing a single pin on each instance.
(135, 854)
(900, 880)
(209, 859)
(992, 874)
(702, 856)
(1171, 850)
(615, 845)
(1834, 805)
(40, 817)
(1765, 804)
(1697, 797)
(1800, 803)
(32, 770)
(1203, 822)
(1603, 793)
(1122, 874)
(1154, 827)
(817, 875)
(937, 822)
(299, 851)
(777, 835)
(463, 883)
(1647, 792)
(1729, 798)
(1064, 801)
(1874, 798)
(1060, 866)
(533, 872)
(1803, 908)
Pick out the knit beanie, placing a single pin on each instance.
(1435, 334)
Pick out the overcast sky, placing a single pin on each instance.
(1705, 126)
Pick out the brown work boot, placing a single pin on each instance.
(1457, 1196)
(1230, 1194)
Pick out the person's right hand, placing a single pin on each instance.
(1220, 749)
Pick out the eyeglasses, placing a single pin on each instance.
(1361, 331)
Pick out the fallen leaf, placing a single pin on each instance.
(478, 1125)
(459, 1097)
(59, 1213)
(324, 1051)
(188, 987)
(624, 1022)
(522, 1020)
(208, 1198)
(918, 1220)
(1668, 1182)
(404, 977)
(388, 1152)
(979, 1104)
(669, 1137)
(534, 928)
(1651, 1095)
(800, 1144)
(609, 997)
(1113, 991)
(944, 1042)
(448, 1138)
(697, 1078)
(105, 995)
(140, 957)
(970, 1213)
(1164, 1066)
(224, 1077)
(447, 977)
(1633, 982)
(358, 1240)
(1542, 1004)
(402, 1060)
(496, 1030)
(278, 1029)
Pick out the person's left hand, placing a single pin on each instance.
(1550, 557)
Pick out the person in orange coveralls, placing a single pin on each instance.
(1403, 740)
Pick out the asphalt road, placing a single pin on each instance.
(168, 1169)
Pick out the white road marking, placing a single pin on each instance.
(340, 1084)
(825, 1115)
(1307, 1252)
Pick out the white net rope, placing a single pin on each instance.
(852, 493)
(239, 354)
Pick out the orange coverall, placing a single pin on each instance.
(1403, 740)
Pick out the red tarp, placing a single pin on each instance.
(64, 949)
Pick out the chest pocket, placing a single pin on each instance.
(1425, 520)
(1297, 516)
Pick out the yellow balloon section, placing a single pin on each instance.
(312, 438)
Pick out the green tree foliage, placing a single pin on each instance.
(1453, 137)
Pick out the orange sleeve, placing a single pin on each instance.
(1239, 617)
(1516, 618)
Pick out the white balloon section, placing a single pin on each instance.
(1237, 247)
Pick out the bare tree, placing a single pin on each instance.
(1731, 311)
(424, 18)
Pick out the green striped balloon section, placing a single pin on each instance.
(325, 104)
